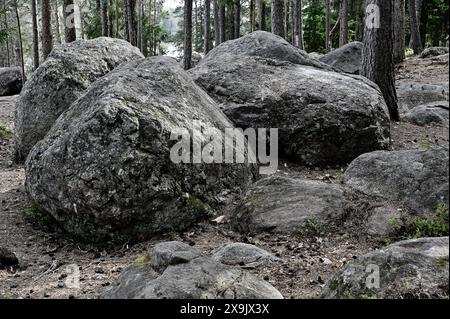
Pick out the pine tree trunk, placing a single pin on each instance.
(187, 57)
(327, 25)
(287, 13)
(57, 24)
(117, 19)
(278, 17)
(378, 62)
(207, 32)
(69, 21)
(222, 22)
(46, 20)
(252, 15)
(35, 35)
(104, 17)
(343, 34)
(5, 22)
(216, 23)
(416, 43)
(237, 19)
(399, 30)
(301, 43)
(261, 15)
(19, 32)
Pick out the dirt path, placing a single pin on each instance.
(46, 254)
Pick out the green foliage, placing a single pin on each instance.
(143, 260)
(436, 226)
(38, 217)
(311, 228)
(5, 132)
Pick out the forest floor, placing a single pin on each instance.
(45, 253)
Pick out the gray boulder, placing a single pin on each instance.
(240, 254)
(431, 113)
(265, 45)
(347, 58)
(405, 270)
(164, 254)
(288, 206)
(323, 117)
(10, 81)
(199, 278)
(104, 169)
(412, 94)
(433, 51)
(415, 178)
(66, 73)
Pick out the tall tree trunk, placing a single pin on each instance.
(399, 30)
(81, 7)
(69, 21)
(327, 25)
(278, 17)
(378, 57)
(360, 20)
(252, 15)
(416, 43)
(57, 24)
(261, 15)
(187, 57)
(423, 23)
(207, 32)
(301, 43)
(116, 18)
(222, 22)
(5, 22)
(104, 17)
(46, 20)
(343, 34)
(19, 32)
(35, 35)
(141, 25)
(237, 19)
(216, 22)
(287, 13)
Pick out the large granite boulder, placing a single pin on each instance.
(433, 51)
(412, 94)
(241, 254)
(265, 45)
(104, 170)
(288, 206)
(431, 113)
(323, 117)
(10, 81)
(415, 178)
(198, 278)
(347, 58)
(66, 73)
(405, 270)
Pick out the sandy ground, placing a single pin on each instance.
(46, 255)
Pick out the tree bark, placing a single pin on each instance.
(19, 31)
(416, 43)
(252, 15)
(207, 32)
(69, 21)
(399, 30)
(237, 19)
(327, 25)
(216, 22)
(187, 57)
(104, 17)
(378, 57)
(35, 35)
(278, 17)
(222, 22)
(57, 24)
(116, 18)
(46, 20)
(343, 34)
(261, 15)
